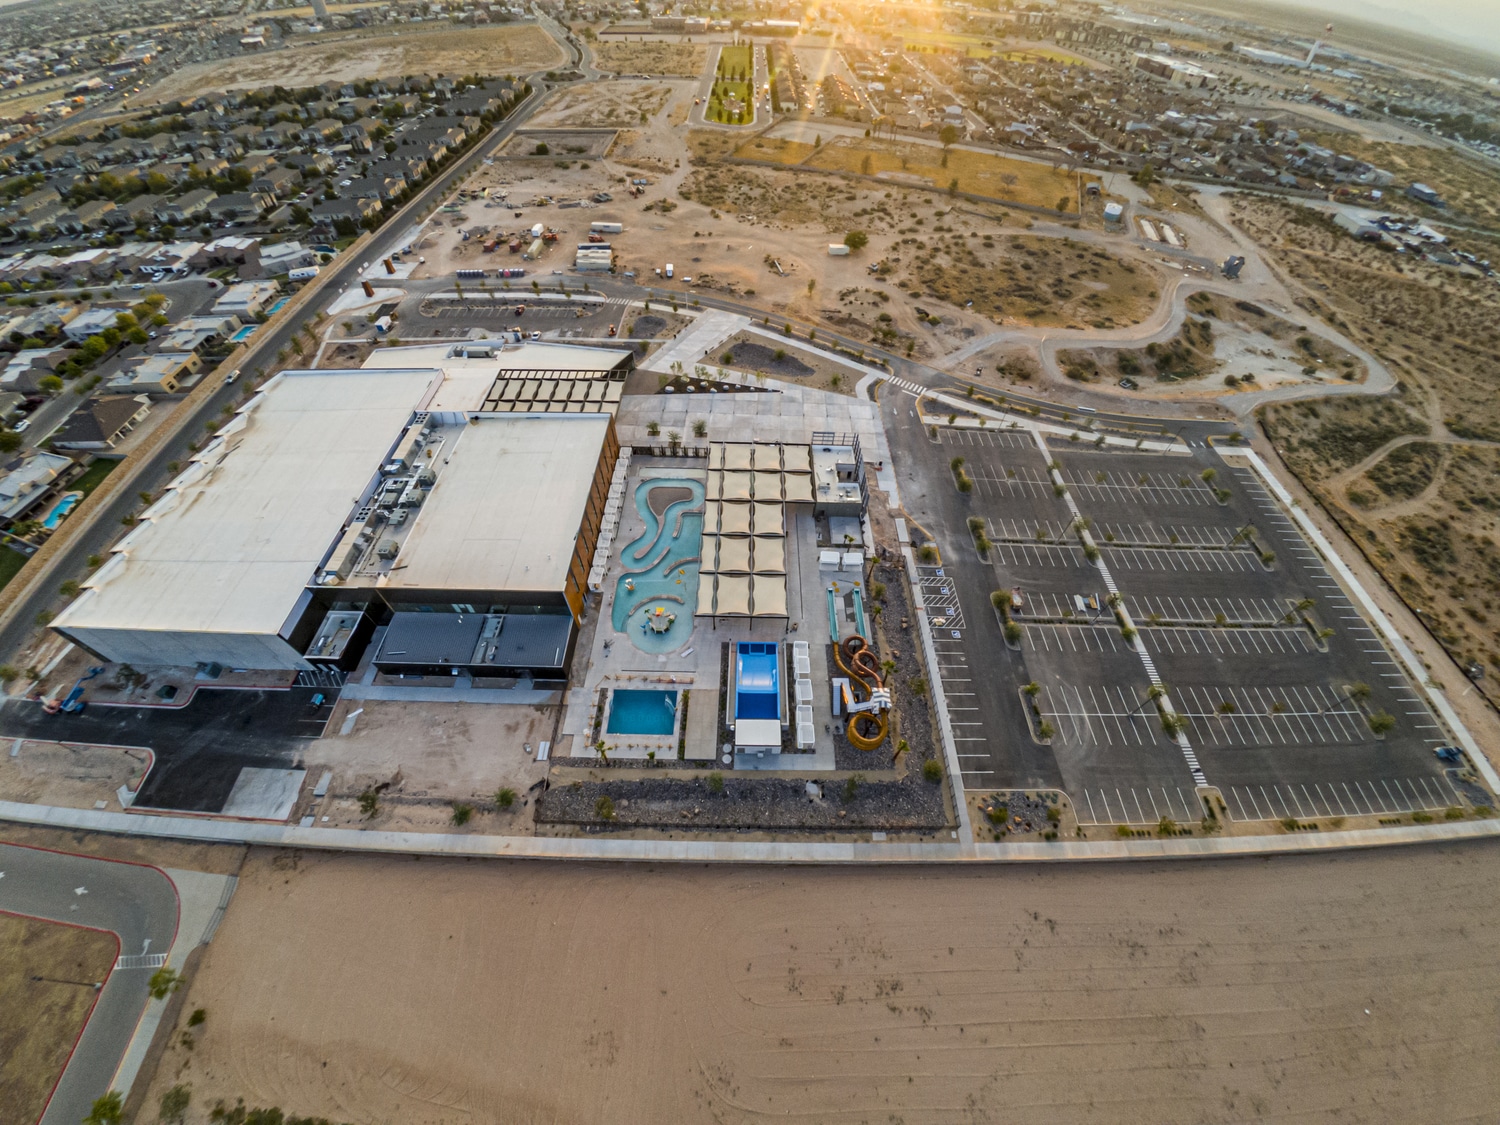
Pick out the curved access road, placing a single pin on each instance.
(139, 905)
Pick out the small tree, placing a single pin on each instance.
(604, 808)
(1380, 722)
(505, 798)
(716, 782)
(108, 1110)
(932, 770)
(856, 240)
(164, 982)
(461, 813)
(369, 803)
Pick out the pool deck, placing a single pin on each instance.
(696, 664)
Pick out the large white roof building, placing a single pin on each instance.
(347, 490)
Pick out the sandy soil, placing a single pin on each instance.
(71, 775)
(375, 54)
(43, 1018)
(429, 992)
(428, 755)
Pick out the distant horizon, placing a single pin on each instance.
(1469, 23)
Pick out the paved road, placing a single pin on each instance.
(105, 527)
(137, 903)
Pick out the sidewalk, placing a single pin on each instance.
(722, 851)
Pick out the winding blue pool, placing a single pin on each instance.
(640, 711)
(661, 569)
(276, 308)
(59, 510)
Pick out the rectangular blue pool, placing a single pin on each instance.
(640, 711)
(757, 681)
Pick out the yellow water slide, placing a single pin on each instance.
(856, 660)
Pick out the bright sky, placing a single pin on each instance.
(1472, 22)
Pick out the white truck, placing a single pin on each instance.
(669, 269)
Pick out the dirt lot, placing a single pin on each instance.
(1028, 280)
(1242, 345)
(51, 773)
(1196, 992)
(43, 1018)
(1424, 517)
(374, 54)
(683, 59)
(421, 757)
(601, 104)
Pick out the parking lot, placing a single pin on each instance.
(1280, 684)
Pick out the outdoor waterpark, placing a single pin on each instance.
(735, 625)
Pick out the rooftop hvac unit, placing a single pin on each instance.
(389, 549)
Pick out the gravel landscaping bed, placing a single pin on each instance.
(748, 803)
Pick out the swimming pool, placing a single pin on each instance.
(661, 566)
(276, 308)
(757, 691)
(243, 334)
(69, 501)
(641, 711)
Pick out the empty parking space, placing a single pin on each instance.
(1041, 556)
(1294, 715)
(1146, 804)
(1075, 638)
(1180, 562)
(1112, 487)
(1217, 611)
(987, 439)
(1099, 715)
(1171, 535)
(1380, 796)
(1217, 642)
(1007, 483)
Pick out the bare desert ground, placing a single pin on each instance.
(375, 54)
(1357, 988)
(44, 1010)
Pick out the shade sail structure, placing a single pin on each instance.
(711, 510)
(770, 556)
(768, 486)
(733, 596)
(739, 455)
(769, 518)
(706, 594)
(768, 596)
(734, 519)
(736, 485)
(734, 555)
(798, 488)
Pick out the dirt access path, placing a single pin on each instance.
(1354, 988)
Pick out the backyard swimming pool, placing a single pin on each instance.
(243, 334)
(661, 567)
(60, 509)
(639, 711)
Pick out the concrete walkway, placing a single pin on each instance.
(955, 850)
(693, 345)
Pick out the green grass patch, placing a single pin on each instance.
(11, 563)
(93, 476)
